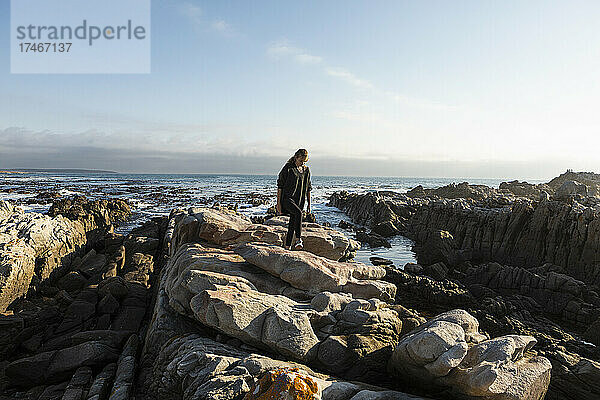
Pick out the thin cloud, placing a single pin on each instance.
(349, 77)
(222, 27)
(191, 11)
(196, 16)
(283, 48)
(307, 58)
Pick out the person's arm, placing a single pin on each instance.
(281, 179)
(308, 189)
(278, 207)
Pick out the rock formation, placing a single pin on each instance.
(525, 264)
(224, 227)
(206, 304)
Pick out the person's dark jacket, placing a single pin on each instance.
(289, 181)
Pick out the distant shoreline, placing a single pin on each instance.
(55, 170)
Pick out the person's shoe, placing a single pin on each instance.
(299, 245)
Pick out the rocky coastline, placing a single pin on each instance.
(206, 304)
(522, 259)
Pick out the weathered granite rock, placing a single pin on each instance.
(361, 341)
(449, 352)
(180, 364)
(27, 239)
(498, 369)
(190, 258)
(259, 319)
(33, 244)
(306, 271)
(193, 367)
(225, 227)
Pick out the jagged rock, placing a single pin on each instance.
(55, 366)
(115, 286)
(419, 291)
(33, 244)
(438, 246)
(228, 228)
(108, 304)
(92, 214)
(306, 271)
(91, 263)
(386, 229)
(139, 244)
(123, 385)
(82, 309)
(111, 338)
(413, 268)
(346, 225)
(454, 191)
(72, 282)
(573, 376)
(449, 352)
(76, 388)
(373, 239)
(569, 189)
(380, 261)
(590, 179)
(139, 269)
(102, 383)
(592, 333)
(438, 271)
(561, 295)
(133, 309)
(524, 189)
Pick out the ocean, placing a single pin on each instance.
(153, 195)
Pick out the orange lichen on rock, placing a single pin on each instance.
(285, 384)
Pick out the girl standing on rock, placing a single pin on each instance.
(293, 190)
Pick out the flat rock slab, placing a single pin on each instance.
(307, 271)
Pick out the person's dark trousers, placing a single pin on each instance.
(295, 225)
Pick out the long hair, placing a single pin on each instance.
(300, 152)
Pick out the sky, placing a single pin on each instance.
(490, 89)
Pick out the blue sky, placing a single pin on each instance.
(431, 88)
